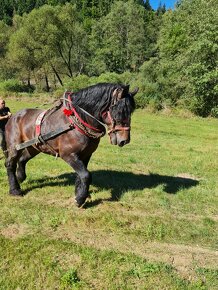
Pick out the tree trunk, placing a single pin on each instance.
(47, 83)
(57, 75)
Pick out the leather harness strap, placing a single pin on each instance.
(39, 122)
(85, 128)
(38, 125)
(82, 126)
(78, 123)
(113, 126)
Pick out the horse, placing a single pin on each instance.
(71, 130)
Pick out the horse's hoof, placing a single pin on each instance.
(79, 202)
(16, 192)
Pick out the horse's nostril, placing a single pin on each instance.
(122, 143)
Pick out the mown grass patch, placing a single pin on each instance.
(49, 264)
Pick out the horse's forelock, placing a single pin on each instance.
(123, 109)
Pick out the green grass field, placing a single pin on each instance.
(152, 222)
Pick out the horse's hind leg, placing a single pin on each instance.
(11, 165)
(27, 154)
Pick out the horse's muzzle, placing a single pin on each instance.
(123, 142)
(119, 138)
(113, 138)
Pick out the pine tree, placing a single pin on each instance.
(147, 5)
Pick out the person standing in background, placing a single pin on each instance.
(5, 115)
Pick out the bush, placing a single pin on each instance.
(82, 81)
(109, 77)
(13, 85)
(70, 278)
(77, 83)
(214, 112)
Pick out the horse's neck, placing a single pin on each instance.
(91, 107)
(94, 103)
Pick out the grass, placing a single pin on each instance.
(151, 223)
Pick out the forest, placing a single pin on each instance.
(171, 55)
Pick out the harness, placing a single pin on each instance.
(85, 128)
(82, 126)
(38, 124)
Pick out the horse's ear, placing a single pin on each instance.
(126, 89)
(119, 93)
(134, 92)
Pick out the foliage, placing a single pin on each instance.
(119, 39)
(5, 33)
(70, 278)
(82, 81)
(77, 83)
(13, 85)
(48, 40)
(170, 55)
(188, 55)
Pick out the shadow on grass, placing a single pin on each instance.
(120, 182)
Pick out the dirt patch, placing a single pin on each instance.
(188, 176)
(184, 258)
(14, 231)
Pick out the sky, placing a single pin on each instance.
(169, 3)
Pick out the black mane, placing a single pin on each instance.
(98, 98)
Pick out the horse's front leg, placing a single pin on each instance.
(83, 178)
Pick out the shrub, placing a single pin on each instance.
(77, 83)
(214, 112)
(109, 77)
(13, 85)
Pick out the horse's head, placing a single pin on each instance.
(118, 117)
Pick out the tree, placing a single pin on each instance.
(118, 39)
(72, 47)
(161, 9)
(5, 32)
(188, 55)
(147, 5)
(50, 39)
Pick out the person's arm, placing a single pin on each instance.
(6, 116)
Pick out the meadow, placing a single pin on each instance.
(151, 222)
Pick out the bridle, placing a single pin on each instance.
(112, 127)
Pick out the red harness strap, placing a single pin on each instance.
(67, 109)
(39, 122)
(70, 111)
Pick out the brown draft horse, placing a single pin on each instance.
(85, 113)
